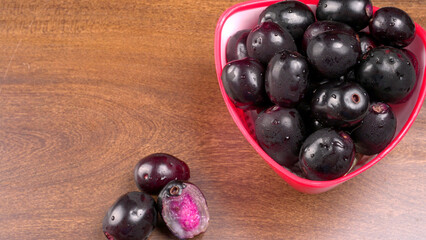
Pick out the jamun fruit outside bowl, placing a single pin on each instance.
(245, 16)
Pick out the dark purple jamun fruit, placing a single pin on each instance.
(319, 27)
(339, 104)
(153, 172)
(184, 209)
(286, 78)
(132, 217)
(387, 74)
(355, 13)
(244, 82)
(293, 16)
(280, 132)
(236, 47)
(267, 39)
(392, 27)
(333, 54)
(327, 154)
(366, 42)
(376, 130)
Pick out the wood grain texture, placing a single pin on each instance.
(89, 87)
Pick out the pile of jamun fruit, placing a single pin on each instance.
(322, 83)
(181, 204)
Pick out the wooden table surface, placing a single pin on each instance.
(89, 87)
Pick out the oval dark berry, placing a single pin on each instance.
(132, 217)
(376, 130)
(339, 104)
(392, 27)
(236, 47)
(327, 154)
(334, 53)
(184, 209)
(280, 132)
(244, 82)
(286, 78)
(293, 16)
(267, 39)
(319, 27)
(387, 74)
(366, 42)
(355, 13)
(154, 171)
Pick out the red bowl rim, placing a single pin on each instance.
(278, 168)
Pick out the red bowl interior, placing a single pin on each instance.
(244, 16)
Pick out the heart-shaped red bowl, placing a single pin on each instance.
(244, 16)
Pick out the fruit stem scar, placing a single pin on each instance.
(379, 108)
(174, 191)
(355, 98)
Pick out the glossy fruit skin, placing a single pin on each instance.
(339, 104)
(293, 16)
(334, 53)
(366, 42)
(319, 27)
(132, 217)
(410, 55)
(154, 171)
(244, 82)
(327, 154)
(376, 130)
(236, 46)
(355, 13)
(387, 74)
(183, 208)
(392, 27)
(286, 78)
(280, 132)
(267, 39)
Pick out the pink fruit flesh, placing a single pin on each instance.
(187, 213)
